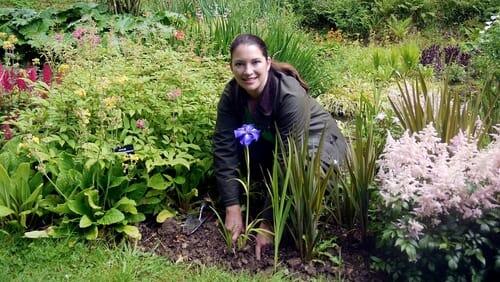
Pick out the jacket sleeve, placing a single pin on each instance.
(226, 157)
(293, 109)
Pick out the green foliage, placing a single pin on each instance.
(111, 98)
(351, 17)
(353, 185)
(37, 30)
(213, 27)
(398, 28)
(418, 106)
(454, 12)
(308, 184)
(20, 191)
(277, 185)
(456, 250)
(422, 12)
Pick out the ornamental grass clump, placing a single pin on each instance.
(442, 204)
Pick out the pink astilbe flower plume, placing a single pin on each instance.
(430, 179)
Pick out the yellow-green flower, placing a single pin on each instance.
(3, 35)
(110, 102)
(12, 38)
(7, 45)
(121, 79)
(81, 92)
(64, 68)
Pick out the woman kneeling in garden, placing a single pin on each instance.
(264, 93)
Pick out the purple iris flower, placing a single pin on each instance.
(246, 134)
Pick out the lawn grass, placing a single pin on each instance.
(73, 260)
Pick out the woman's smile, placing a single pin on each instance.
(250, 68)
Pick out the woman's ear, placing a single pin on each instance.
(269, 62)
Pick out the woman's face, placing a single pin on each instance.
(250, 68)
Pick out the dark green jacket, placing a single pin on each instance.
(284, 102)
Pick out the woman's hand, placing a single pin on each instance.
(234, 222)
(263, 239)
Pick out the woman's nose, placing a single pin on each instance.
(247, 70)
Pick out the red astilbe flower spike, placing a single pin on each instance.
(21, 84)
(7, 131)
(6, 79)
(47, 74)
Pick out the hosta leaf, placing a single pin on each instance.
(164, 215)
(92, 198)
(118, 181)
(135, 218)
(37, 234)
(180, 180)
(92, 233)
(157, 182)
(131, 231)
(85, 222)
(79, 206)
(5, 211)
(111, 216)
(126, 205)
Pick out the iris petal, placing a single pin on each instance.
(246, 134)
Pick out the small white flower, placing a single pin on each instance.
(481, 32)
(381, 116)
(488, 23)
(395, 120)
(487, 27)
(494, 17)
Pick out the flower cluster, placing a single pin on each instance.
(13, 76)
(84, 35)
(429, 179)
(437, 57)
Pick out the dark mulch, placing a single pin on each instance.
(206, 247)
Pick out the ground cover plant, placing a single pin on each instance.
(106, 114)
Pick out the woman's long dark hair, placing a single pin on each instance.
(250, 39)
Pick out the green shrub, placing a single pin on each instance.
(122, 93)
(352, 17)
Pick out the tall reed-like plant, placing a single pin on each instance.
(418, 106)
(277, 184)
(354, 183)
(308, 184)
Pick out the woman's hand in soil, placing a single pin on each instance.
(234, 222)
(263, 240)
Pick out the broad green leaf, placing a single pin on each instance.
(92, 233)
(79, 206)
(37, 234)
(118, 181)
(164, 215)
(135, 218)
(93, 198)
(85, 222)
(180, 180)
(127, 205)
(157, 182)
(5, 187)
(111, 216)
(20, 181)
(131, 231)
(5, 211)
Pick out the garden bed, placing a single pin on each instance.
(207, 247)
